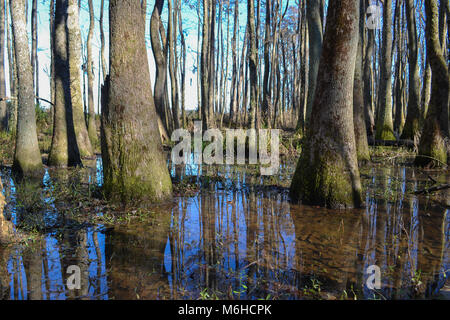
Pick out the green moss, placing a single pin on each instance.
(386, 134)
(435, 155)
(325, 183)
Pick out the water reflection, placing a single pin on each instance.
(235, 239)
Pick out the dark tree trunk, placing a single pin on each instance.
(315, 28)
(432, 147)
(362, 146)
(327, 173)
(253, 63)
(159, 48)
(412, 127)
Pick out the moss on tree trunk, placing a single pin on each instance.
(135, 167)
(327, 173)
(27, 157)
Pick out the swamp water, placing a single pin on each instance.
(237, 237)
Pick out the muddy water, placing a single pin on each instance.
(238, 238)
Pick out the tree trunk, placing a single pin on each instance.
(385, 125)
(368, 76)
(64, 150)
(102, 40)
(204, 67)
(159, 48)
(3, 107)
(253, 64)
(74, 45)
(412, 127)
(27, 157)
(134, 162)
(34, 39)
(267, 96)
(173, 61)
(432, 147)
(327, 173)
(183, 66)
(92, 129)
(315, 47)
(234, 74)
(12, 112)
(426, 89)
(362, 146)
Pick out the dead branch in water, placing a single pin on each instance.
(433, 189)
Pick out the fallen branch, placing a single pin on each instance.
(433, 189)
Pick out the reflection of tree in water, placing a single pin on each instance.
(243, 242)
(135, 261)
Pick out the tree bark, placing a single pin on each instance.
(253, 63)
(134, 163)
(102, 40)
(3, 107)
(92, 128)
(368, 76)
(412, 127)
(64, 150)
(432, 147)
(362, 146)
(27, 157)
(385, 125)
(34, 42)
(267, 96)
(172, 31)
(327, 173)
(315, 28)
(74, 45)
(235, 70)
(159, 48)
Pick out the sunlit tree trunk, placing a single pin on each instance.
(12, 112)
(74, 45)
(27, 157)
(385, 125)
(327, 173)
(426, 89)
(92, 129)
(173, 61)
(64, 150)
(102, 41)
(133, 158)
(34, 45)
(3, 108)
(432, 147)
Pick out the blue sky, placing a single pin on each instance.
(190, 22)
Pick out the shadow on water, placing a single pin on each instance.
(238, 237)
